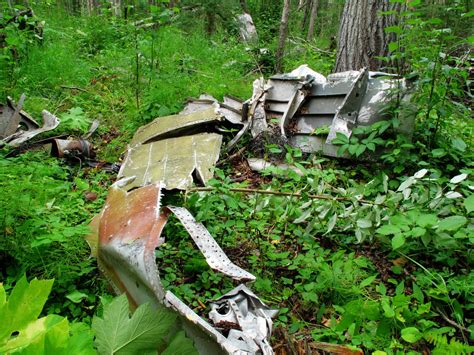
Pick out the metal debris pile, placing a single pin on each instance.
(302, 108)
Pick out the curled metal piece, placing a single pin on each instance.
(78, 147)
(249, 318)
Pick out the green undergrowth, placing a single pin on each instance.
(388, 266)
(44, 217)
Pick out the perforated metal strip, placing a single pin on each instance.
(215, 256)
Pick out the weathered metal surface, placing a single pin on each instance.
(50, 122)
(213, 253)
(175, 126)
(173, 161)
(346, 116)
(72, 147)
(248, 315)
(303, 102)
(8, 123)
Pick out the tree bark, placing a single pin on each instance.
(312, 19)
(361, 34)
(283, 34)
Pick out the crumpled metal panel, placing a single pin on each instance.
(7, 115)
(129, 230)
(172, 161)
(175, 125)
(250, 318)
(50, 122)
(346, 115)
(304, 101)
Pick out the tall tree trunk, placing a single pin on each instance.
(283, 34)
(312, 19)
(307, 8)
(361, 34)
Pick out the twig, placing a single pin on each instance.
(73, 88)
(453, 323)
(280, 193)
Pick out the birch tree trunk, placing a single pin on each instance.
(312, 19)
(283, 34)
(361, 34)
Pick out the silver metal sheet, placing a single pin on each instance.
(173, 161)
(164, 127)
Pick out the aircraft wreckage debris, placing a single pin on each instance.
(173, 152)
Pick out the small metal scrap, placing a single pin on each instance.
(12, 117)
(50, 122)
(250, 317)
(72, 148)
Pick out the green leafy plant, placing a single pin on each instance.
(146, 331)
(24, 332)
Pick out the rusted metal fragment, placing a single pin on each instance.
(72, 148)
(173, 161)
(250, 317)
(207, 339)
(129, 231)
(174, 126)
(50, 122)
(215, 256)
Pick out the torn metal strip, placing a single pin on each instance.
(215, 256)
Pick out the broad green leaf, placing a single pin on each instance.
(368, 281)
(458, 178)
(407, 183)
(360, 149)
(387, 310)
(451, 223)
(364, 223)
(392, 46)
(417, 293)
(331, 223)
(33, 335)
(180, 345)
(398, 241)
(469, 203)
(420, 173)
(425, 220)
(411, 334)
(117, 333)
(459, 144)
(76, 296)
(388, 229)
(81, 340)
(24, 304)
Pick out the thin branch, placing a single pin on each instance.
(280, 193)
(73, 88)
